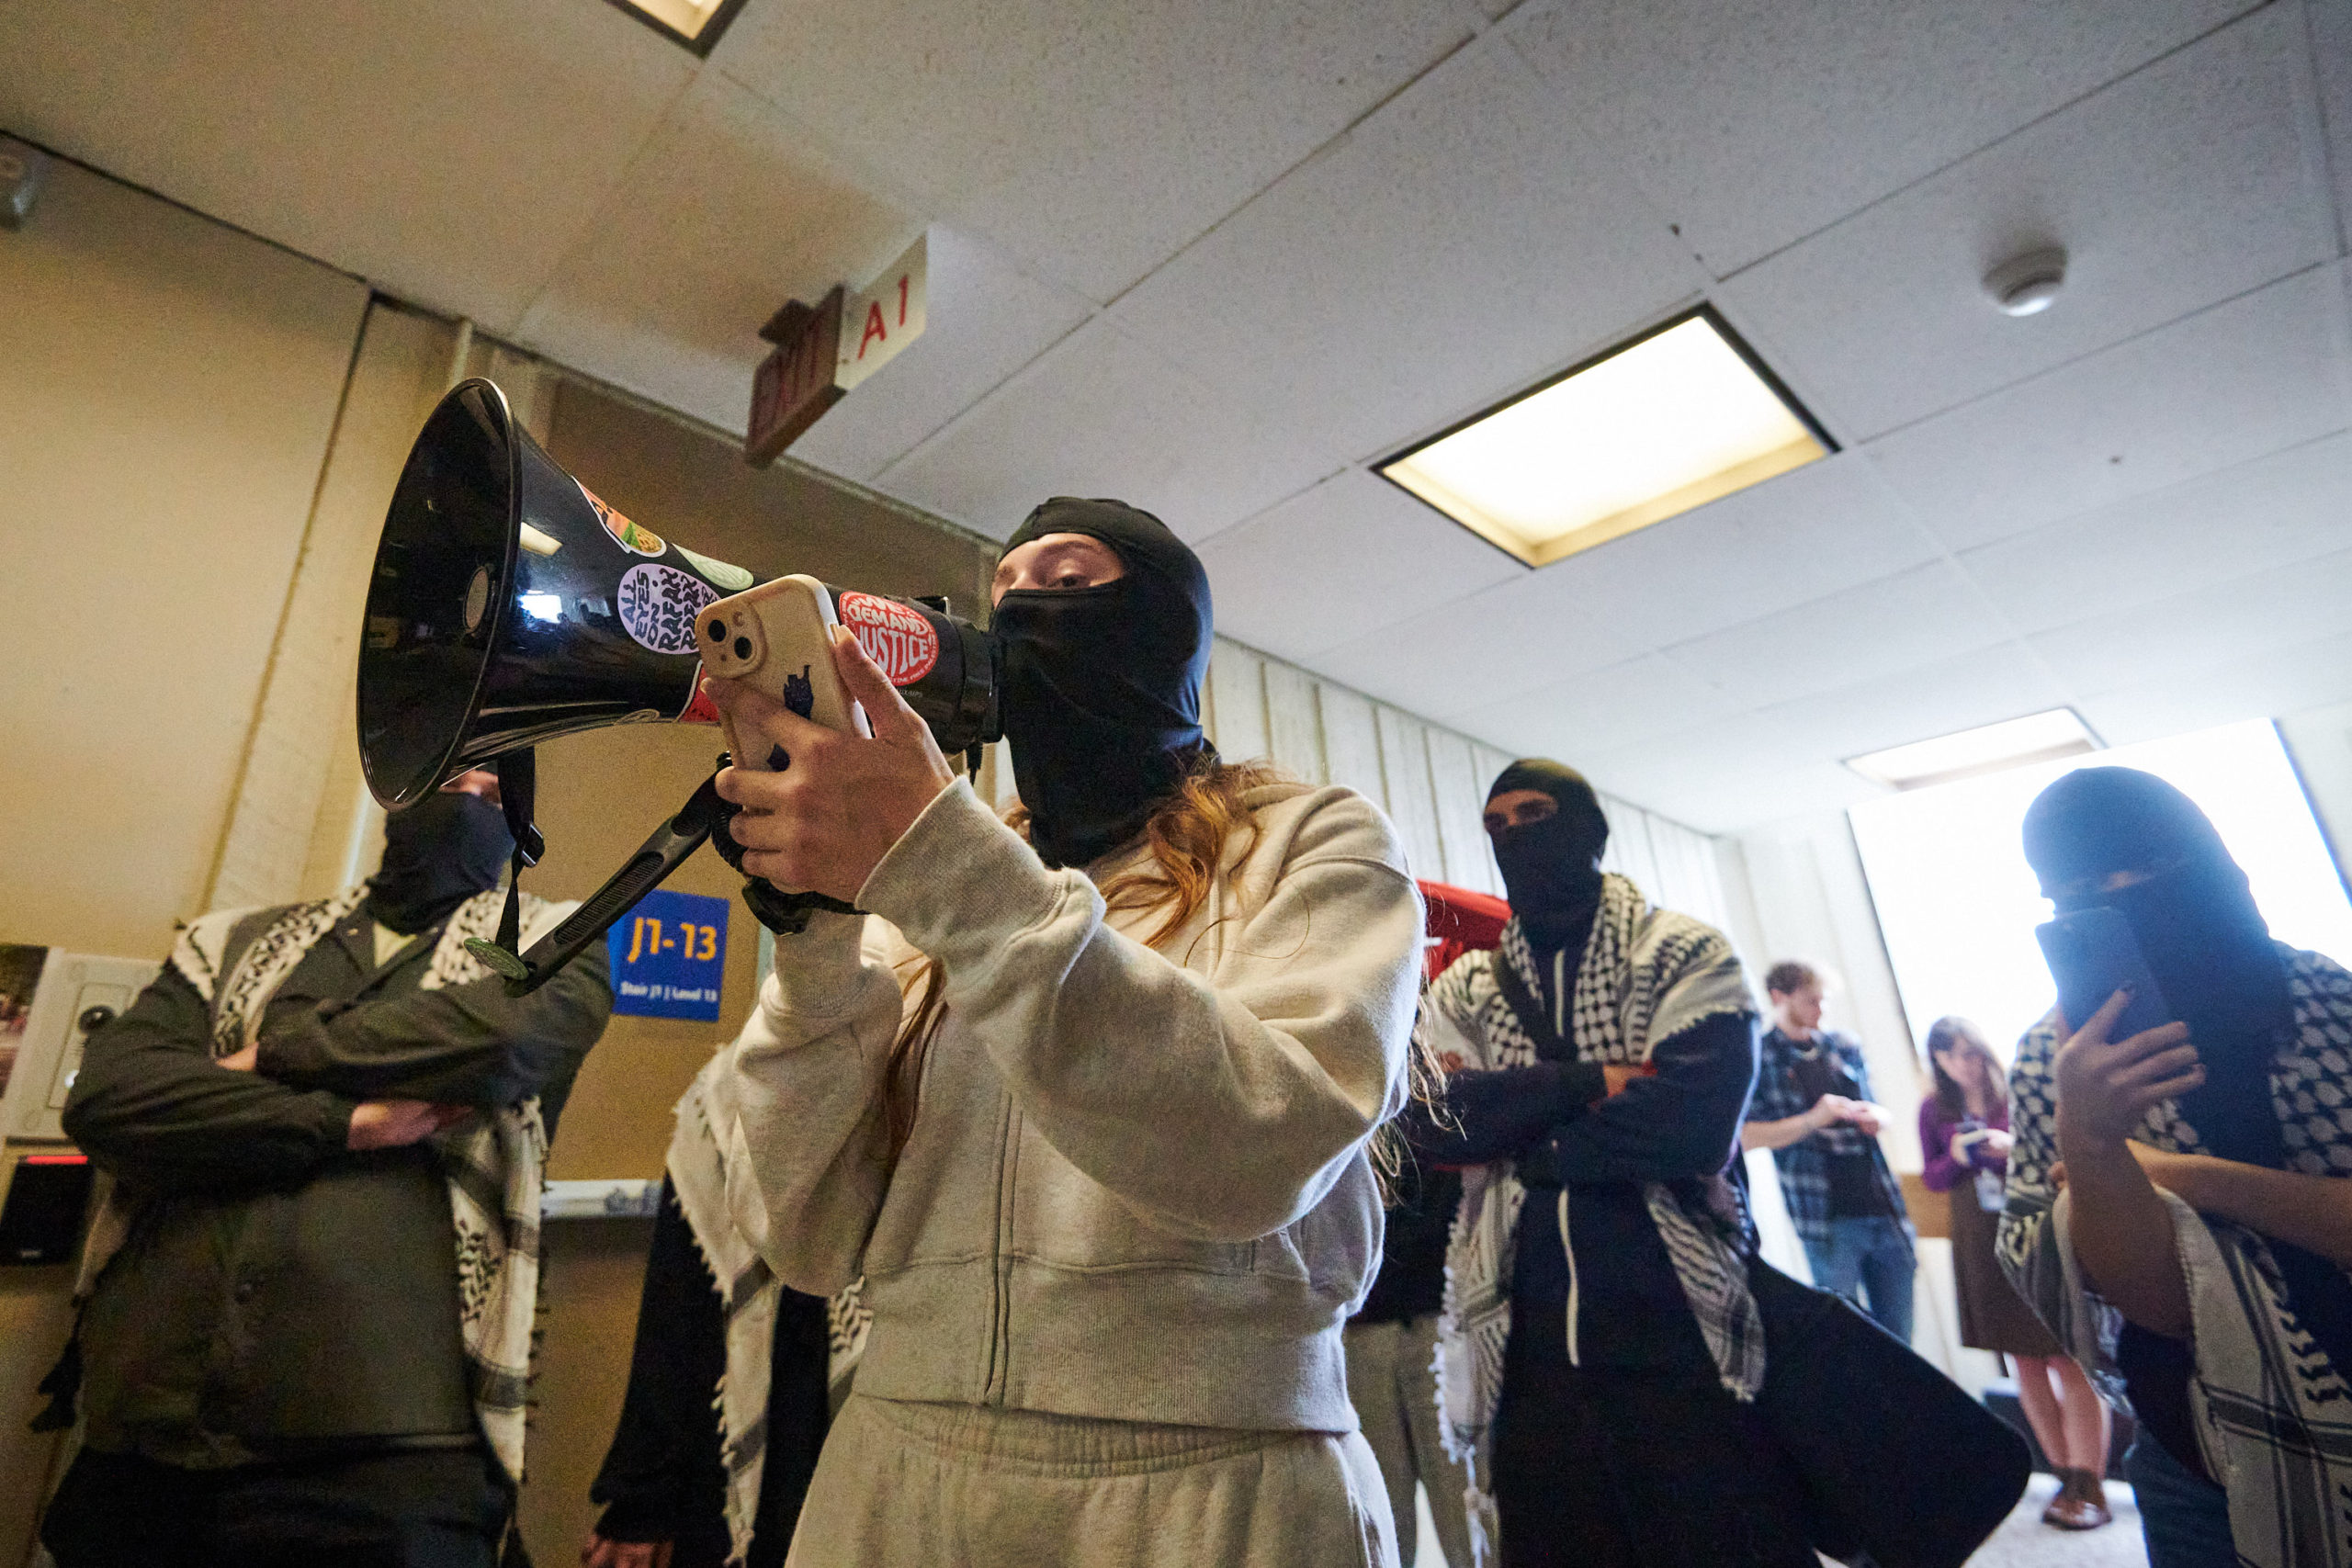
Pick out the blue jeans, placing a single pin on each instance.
(1868, 1254)
(2184, 1517)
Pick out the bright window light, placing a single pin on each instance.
(2037, 737)
(1668, 423)
(1957, 904)
(695, 23)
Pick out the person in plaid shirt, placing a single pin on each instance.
(1813, 1110)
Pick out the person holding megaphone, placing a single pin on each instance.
(1086, 1096)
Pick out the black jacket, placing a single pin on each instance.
(280, 1295)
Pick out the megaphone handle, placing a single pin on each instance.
(663, 852)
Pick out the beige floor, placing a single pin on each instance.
(2025, 1543)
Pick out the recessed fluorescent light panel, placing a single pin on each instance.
(1683, 415)
(2012, 743)
(695, 23)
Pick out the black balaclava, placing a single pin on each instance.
(2206, 943)
(437, 853)
(1552, 868)
(2210, 951)
(1101, 686)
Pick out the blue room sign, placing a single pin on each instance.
(668, 956)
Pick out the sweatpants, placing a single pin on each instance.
(981, 1487)
(1392, 1382)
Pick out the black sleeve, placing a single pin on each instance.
(1483, 1116)
(662, 1476)
(1683, 1122)
(470, 1044)
(150, 1104)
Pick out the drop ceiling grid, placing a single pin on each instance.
(1458, 244)
(1754, 123)
(2275, 511)
(988, 318)
(1095, 141)
(1100, 414)
(2271, 684)
(2254, 375)
(1718, 567)
(2184, 185)
(657, 268)
(446, 152)
(1370, 553)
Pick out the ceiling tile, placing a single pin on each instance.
(2289, 507)
(2276, 683)
(1721, 776)
(448, 152)
(1352, 553)
(2266, 371)
(1819, 528)
(1596, 712)
(1100, 414)
(986, 318)
(1754, 122)
(1459, 243)
(1984, 687)
(1099, 140)
(728, 212)
(1916, 617)
(2178, 187)
(2211, 626)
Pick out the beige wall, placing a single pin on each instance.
(167, 390)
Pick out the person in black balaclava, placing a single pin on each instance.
(1091, 1108)
(1548, 832)
(2227, 1108)
(439, 852)
(284, 1111)
(1101, 692)
(1618, 1437)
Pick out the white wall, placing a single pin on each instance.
(2320, 740)
(1431, 780)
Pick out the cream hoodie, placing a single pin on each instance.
(1138, 1187)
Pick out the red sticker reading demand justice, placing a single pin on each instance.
(897, 637)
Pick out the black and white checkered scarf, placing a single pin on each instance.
(494, 1164)
(2273, 1415)
(1646, 975)
(728, 1229)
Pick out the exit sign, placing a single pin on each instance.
(824, 350)
(669, 955)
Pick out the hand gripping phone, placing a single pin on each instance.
(2093, 954)
(778, 637)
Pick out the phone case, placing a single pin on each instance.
(2093, 954)
(778, 635)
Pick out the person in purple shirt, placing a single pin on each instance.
(1964, 1133)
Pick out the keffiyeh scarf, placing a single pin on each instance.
(750, 1294)
(1646, 975)
(2273, 1415)
(494, 1162)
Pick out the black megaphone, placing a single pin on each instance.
(508, 606)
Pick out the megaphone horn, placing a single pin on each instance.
(509, 606)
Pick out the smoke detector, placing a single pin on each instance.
(2027, 284)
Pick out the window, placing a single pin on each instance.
(1958, 905)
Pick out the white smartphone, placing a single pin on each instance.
(779, 636)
